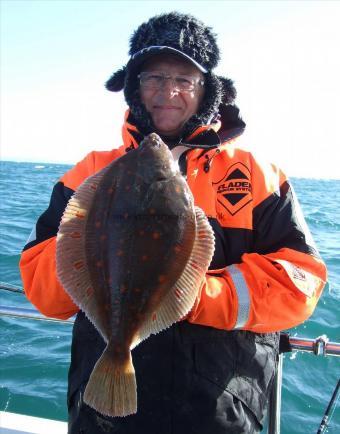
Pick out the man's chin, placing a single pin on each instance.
(168, 130)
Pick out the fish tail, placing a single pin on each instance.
(111, 389)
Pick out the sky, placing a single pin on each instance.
(283, 57)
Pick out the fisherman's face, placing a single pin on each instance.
(169, 106)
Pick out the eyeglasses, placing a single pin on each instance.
(155, 80)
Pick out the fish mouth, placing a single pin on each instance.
(152, 139)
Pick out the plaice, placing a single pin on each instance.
(132, 252)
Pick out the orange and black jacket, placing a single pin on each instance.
(266, 275)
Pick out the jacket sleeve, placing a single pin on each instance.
(37, 264)
(277, 285)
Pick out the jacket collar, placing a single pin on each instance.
(227, 127)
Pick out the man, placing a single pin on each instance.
(212, 372)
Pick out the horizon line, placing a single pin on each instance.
(72, 164)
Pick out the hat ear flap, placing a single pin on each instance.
(228, 90)
(117, 80)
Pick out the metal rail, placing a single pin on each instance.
(11, 288)
(274, 406)
(16, 312)
(319, 347)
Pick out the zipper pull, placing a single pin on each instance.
(207, 163)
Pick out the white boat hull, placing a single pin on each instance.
(11, 423)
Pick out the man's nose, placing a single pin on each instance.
(169, 86)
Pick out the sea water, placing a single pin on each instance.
(35, 355)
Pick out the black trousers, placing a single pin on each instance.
(191, 379)
(238, 419)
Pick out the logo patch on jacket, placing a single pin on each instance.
(306, 282)
(234, 189)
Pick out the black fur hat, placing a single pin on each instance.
(187, 37)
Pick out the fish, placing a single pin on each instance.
(132, 252)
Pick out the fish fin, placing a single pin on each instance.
(72, 271)
(181, 298)
(111, 389)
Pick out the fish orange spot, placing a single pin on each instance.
(98, 224)
(178, 293)
(154, 317)
(80, 215)
(75, 235)
(93, 187)
(178, 189)
(120, 253)
(78, 265)
(161, 278)
(99, 264)
(156, 235)
(194, 265)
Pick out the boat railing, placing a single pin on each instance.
(27, 313)
(319, 346)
